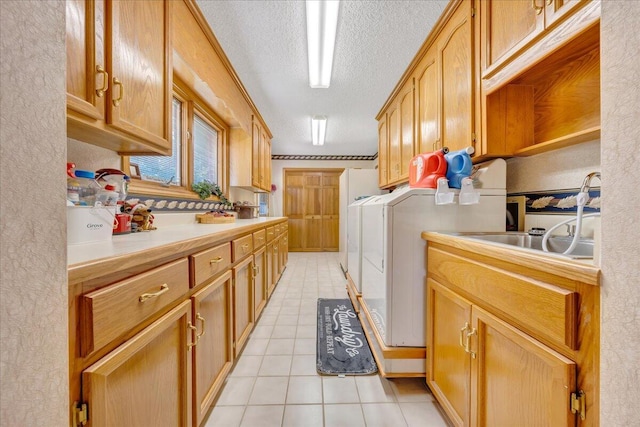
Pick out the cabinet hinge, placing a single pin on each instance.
(80, 414)
(579, 404)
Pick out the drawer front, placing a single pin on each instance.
(284, 227)
(542, 309)
(211, 262)
(270, 234)
(112, 311)
(276, 229)
(259, 238)
(242, 247)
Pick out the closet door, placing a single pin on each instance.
(313, 212)
(330, 211)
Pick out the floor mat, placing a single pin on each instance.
(342, 346)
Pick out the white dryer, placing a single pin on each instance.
(354, 241)
(393, 253)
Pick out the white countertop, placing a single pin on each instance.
(138, 242)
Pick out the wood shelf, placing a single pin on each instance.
(561, 142)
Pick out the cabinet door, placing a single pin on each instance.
(213, 355)
(448, 365)
(284, 249)
(259, 281)
(242, 302)
(516, 378)
(87, 78)
(455, 56)
(393, 123)
(275, 267)
(147, 380)
(271, 284)
(139, 51)
(407, 129)
(383, 150)
(508, 25)
(256, 147)
(428, 114)
(266, 163)
(313, 212)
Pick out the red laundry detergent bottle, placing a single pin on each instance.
(426, 168)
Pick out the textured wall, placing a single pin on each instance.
(555, 170)
(620, 262)
(33, 287)
(91, 157)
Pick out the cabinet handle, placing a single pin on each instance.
(462, 334)
(549, 2)
(164, 288)
(215, 260)
(256, 270)
(194, 330)
(117, 82)
(467, 343)
(535, 7)
(200, 318)
(245, 247)
(105, 81)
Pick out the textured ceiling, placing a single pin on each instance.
(267, 44)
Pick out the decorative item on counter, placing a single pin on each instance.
(459, 166)
(215, 217)
(81, 186)
(425, 169)
(245, 210)
(206, 189)
(120, 182)
(141, 216)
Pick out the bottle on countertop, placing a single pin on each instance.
(82, 188)
(107, 196)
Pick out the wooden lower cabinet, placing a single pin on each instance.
(486, 372)
(213, 354)
(242, 302)
(147, 380)
(283, 252)
(271, 283)
(259, 281)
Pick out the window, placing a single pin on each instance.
(199, 141)
(163, 169)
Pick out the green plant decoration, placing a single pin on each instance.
(206, 189)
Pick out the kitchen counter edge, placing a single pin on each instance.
(569, 269)
(128, 252)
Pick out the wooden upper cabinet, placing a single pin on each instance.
(256, 154)
(508, 26)
(400, 122)
(457, 91)
(383, 150)
(87, 79)
(393, 150)
(428, 103)
(120, 77)
(250, 158)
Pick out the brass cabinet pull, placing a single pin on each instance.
(194, 330)
(117, 82)
(200, 318)
(467, 343)
(105, 81)
(245, 247)
(256, 270)
(164, 288)
(462, 334)
(215, 260)
(535, 7)
(549, 2)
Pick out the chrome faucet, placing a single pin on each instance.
(586, 184)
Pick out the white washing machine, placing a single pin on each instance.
(393, 253)
(354, 241)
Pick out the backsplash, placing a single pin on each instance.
(558, 202)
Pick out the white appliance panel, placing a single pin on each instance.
(354, 242)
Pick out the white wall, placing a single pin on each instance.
(33, 253)
(275, 200)
(620, 263)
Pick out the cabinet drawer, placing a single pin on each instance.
(259, 238)
(242, 247)
(276, 229)
(209, 263)
(270, 234)
(542, 309)
(112, 311)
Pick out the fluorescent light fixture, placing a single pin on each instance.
(318, 129)
(322, 20)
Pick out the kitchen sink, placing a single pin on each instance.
(555, 244)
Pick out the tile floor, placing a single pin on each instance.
(274, 381)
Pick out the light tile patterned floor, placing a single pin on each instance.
(275, 383)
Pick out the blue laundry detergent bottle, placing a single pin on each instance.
(459, 166)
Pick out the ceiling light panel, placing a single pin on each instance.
(322, 21)
(318, 129)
